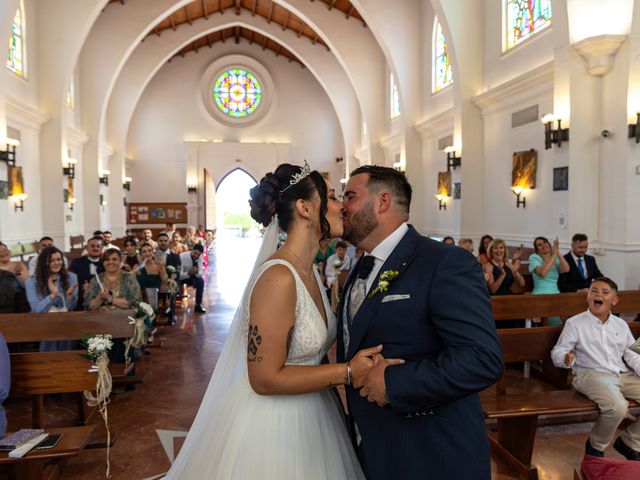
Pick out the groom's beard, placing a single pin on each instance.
(360, 224)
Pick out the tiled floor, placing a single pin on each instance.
(177, 372)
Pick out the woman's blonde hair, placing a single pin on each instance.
(494, 243)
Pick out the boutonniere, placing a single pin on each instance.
(383, 282)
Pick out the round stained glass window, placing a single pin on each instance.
(237, 93)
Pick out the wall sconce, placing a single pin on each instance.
(339, 159)
(192, 188)
(70, 169)
(8, 150)
(442, 201)
(552, 136)
(104, 177)
(634, 129)
(126, 183)
(103, 202)
(72, 203)
(517, 191)
(452, 160)
(19, 199)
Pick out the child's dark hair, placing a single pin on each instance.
(608, 281)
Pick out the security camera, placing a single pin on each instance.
(605, 133)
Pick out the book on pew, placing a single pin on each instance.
(19, 438)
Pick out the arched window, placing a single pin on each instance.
(442, 75)
(16, 62)
(524, 18)
(394, 97)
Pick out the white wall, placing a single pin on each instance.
(171, 111)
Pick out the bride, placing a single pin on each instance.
(269, 411)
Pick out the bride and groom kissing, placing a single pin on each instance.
(415, 337)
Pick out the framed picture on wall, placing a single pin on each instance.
(4, 189)
(456, 191)
(560, 179)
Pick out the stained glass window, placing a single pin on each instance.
(237, 93)
(394, 97)
(442, 74)
(16, 59)
(71, 95)
(524, 18)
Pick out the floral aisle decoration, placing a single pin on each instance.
(98, 347)
(172, 284)
(142, 321)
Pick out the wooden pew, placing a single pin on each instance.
(564, 305)
(38, 373)
(34, 466)
(517, 413)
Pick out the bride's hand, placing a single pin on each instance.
(361, 363)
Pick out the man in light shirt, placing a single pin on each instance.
(595, 344)
(336, 263)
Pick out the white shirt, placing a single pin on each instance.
(383, 250)
(584, 264)
(603, 347)
(330, 269)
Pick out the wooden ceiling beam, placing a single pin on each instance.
(251, 39)
(204, 10)
(278, 51)
(286, 22)
(186, 10)
(209, 41)
(255, 5)
(333, 2)
(270, 12)
(264, 46)
(315, 39)
(238, 6)
(173, 24)
(300, 29)
(237, 34)
(195, 46)
(350, 11)
(221, 7)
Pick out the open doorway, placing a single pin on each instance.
(232, 206)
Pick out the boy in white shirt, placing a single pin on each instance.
(596, 345)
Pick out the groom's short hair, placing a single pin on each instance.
(389, 178)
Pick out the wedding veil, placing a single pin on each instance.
(232, 363)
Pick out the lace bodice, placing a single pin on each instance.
(311, 338)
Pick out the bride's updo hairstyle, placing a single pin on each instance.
(275, 195)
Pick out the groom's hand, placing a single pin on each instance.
(361, 363)
(374, 388)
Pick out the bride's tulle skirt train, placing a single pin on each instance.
(281, 437)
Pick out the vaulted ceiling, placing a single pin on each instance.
(268, 9)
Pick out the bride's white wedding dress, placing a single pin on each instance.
(241, 435)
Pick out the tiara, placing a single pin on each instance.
(305, 171)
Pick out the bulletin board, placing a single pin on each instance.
(144, 213)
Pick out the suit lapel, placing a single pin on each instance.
(400, 258)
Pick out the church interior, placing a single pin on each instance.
(518, 119)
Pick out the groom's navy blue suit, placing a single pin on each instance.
(434, 427)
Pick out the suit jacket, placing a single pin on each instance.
(81, 266)
(434, 426)
(572, 281)
(172, 259)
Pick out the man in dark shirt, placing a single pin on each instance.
(582, 267)
(87, 267)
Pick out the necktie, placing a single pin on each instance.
(359, 290)
(581, 268)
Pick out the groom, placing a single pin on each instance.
(426, 303)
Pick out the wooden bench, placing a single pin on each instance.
(517, 413)
(33, 466)
(76, 241)
(564, 305)
(38, 373)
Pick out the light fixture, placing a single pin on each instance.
(72, 203)
(452, 160)
(8, 150)
(634, 129)
(103, 202)
(192, 188)
(343, 181)
(442, 201)
(517, 191)
(70, 169)
(19, 199)
(552, 135)
(104, 177)
(339, 159)
(126, 183)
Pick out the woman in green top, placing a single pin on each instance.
(150, 272)
(325, 251)
(545, 266)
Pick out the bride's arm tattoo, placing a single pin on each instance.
(253, 344)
